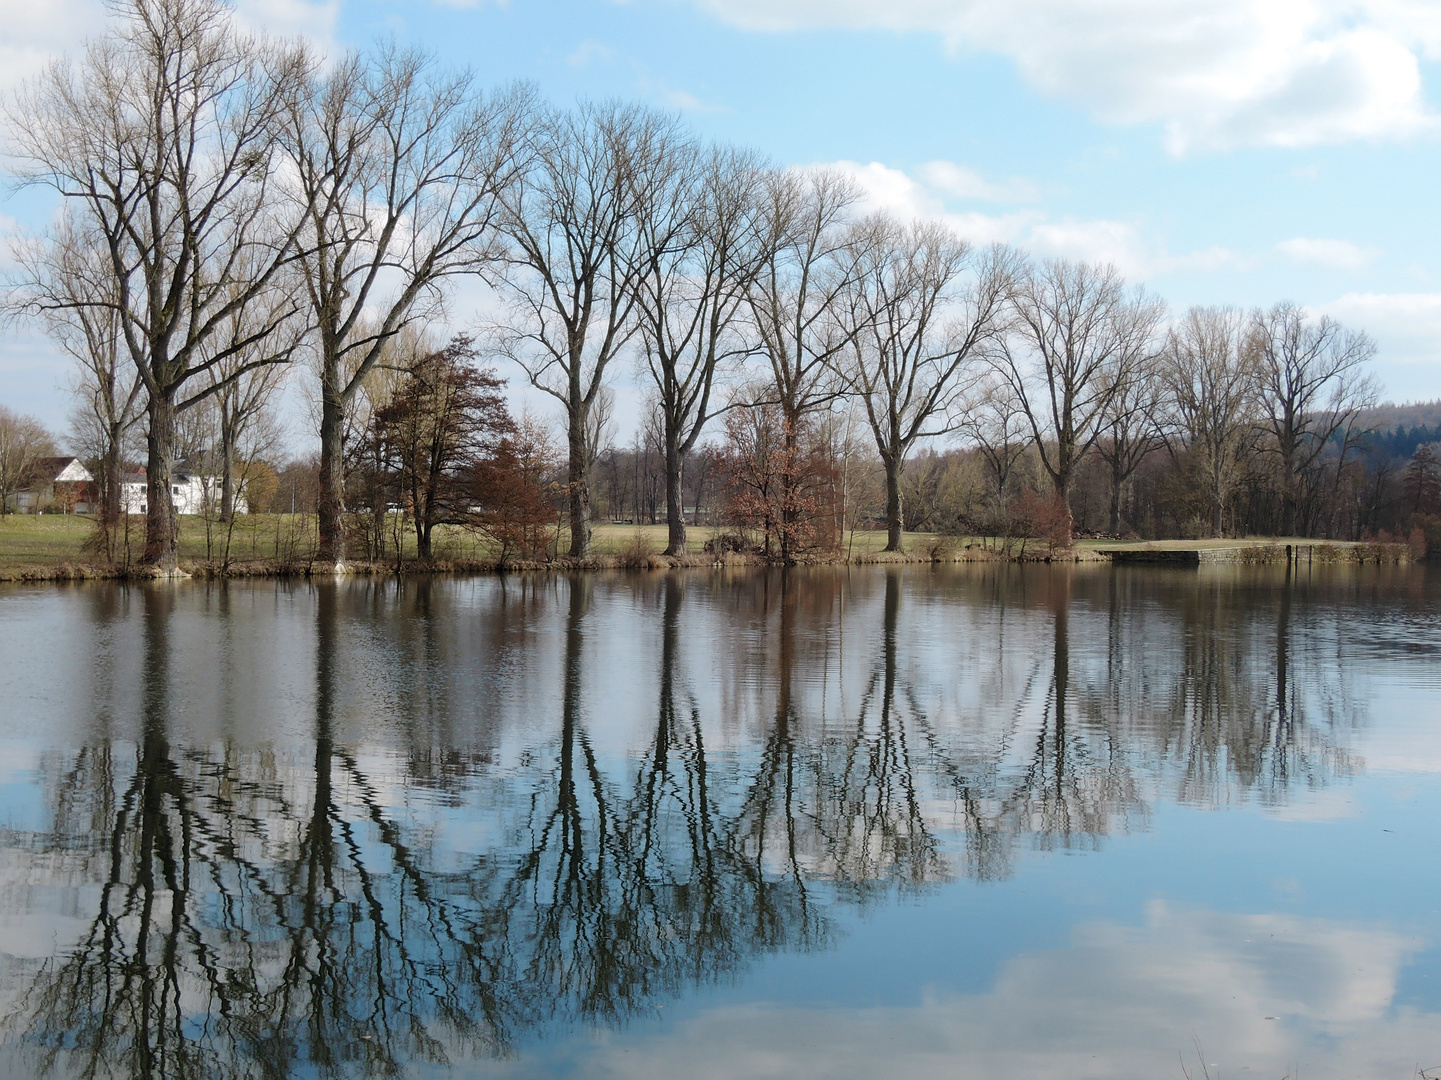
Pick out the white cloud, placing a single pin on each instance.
(646, 85)
(892, 190)
(673, 97)
(313, 20)
(589, 52)
(1214, 73)
(1124, 243)
(1421, 312)
(1259, 992)
(964, 183)
(1407, 329)
(1331, 254)
(1415, 315)
(36, 33)
(1129, 247)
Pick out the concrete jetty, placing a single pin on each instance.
(1309, 553)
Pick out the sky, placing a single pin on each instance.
(1216, 151)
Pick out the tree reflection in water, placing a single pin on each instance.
(249, 917)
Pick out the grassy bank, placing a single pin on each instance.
(55, 547)
(61, 547)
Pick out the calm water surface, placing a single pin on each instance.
(952, 823)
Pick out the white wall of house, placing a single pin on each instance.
(192, 495)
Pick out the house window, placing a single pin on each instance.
(175, 490)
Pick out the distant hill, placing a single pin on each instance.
(1399, 429)
(1414, 414)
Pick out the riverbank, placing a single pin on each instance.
(34, 549)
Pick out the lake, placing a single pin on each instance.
(971, 821)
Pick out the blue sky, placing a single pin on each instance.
(1218, 151)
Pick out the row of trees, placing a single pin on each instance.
(233, 205)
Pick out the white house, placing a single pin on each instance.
(56, 483)
(193, 492)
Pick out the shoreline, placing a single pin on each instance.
(1179, 554)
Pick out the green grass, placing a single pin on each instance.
(615, 539)
(35, 541)
(30, 542)
(41, 540)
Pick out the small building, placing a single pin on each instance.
(56, 485)
(193, 492)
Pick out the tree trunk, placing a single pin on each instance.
(110, 478)
(1289, 501)
(1116, 482)
(377, 527)
(227, 483)
(330, 504)
(674, 509)
(895, 522)
(789, 513)
(110, 490)
(1063, 492)
(161, 528)
(578, 477)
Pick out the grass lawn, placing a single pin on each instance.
(614, 539)
(42, 540)
(33, 541)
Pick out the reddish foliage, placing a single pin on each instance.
(514, 492)
(1042, 517)
(447, 415)
(448, 449)
(778, 481)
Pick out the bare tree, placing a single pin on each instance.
(1209, 373)
(256, 344)
(162, 142)
(1078, 334)
(795, 299)
(1313, 380)
(994, 419)
(600, 424)
(1133, 428)
(703, 245)
(399, 169)
(794, 302)
(86, 322)
(913, 331)
(577, 256)
(368, 479)
(23, 442)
